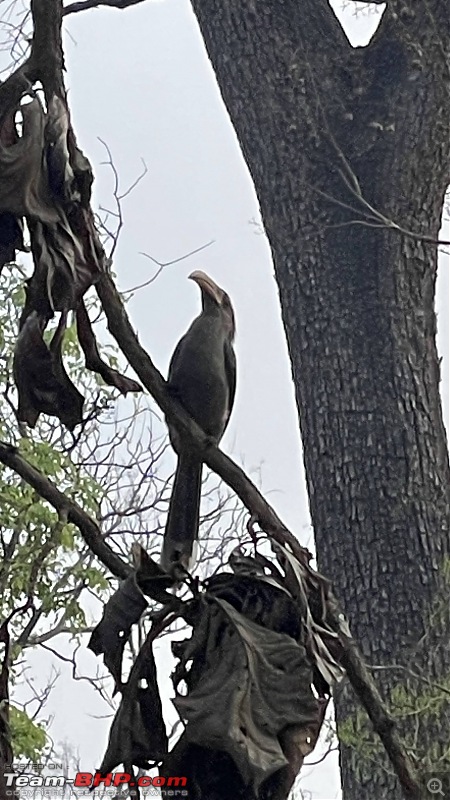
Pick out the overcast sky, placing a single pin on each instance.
(140, 79)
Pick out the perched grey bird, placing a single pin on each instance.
(202, 375)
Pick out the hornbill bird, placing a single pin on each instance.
(202, 375)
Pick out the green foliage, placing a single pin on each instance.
(43, 559)
(356, 732)
(418, 702)
(46, 569)
(28, 738)
(414, 699)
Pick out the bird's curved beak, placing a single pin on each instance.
(207, 284)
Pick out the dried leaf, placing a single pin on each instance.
(70, 178)
(92, 356)
(47, 180)
(123, 609)
(60, 173)
(150, 577)
(61, 273)
(260, 598)
(307, 586)
(254, 683)
(138, 734)
(42, 382)
(11, 238)
(24, 189)
(210, 775)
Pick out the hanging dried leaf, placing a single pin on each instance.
(70, 173)
(60, 258)
(60, 173)
(260, 598)
(123, 609)
(210, 775)
(310, 589)
(24, 188)
(94, 362)
(151, 578)
(138, 734)
(254, 683)
(46, 179)
(11, 238)
(42, 382)
(242, 564)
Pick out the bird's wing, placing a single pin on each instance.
(175, 359)
(230, 371)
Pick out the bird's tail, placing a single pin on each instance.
(184, 512)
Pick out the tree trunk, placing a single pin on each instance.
(343, 146)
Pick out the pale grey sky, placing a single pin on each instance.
(140, 79)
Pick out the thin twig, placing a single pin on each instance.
(162, 265)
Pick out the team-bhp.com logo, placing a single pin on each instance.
(83, 779)
(93, 780)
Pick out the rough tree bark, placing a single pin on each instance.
(345, 147)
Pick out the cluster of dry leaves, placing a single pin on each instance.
(46, 186)
(252, 682)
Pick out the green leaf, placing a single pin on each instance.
(28, 738)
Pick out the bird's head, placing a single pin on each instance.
(214, 297)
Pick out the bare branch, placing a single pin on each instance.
(370, 216)
(118, 196)
(413, 674)
(83, 5)
(161, 265)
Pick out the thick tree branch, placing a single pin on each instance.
(316, 27)
(423, 34)
(434, 13)
(10, 457)
(383, 723)
(83, 5)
